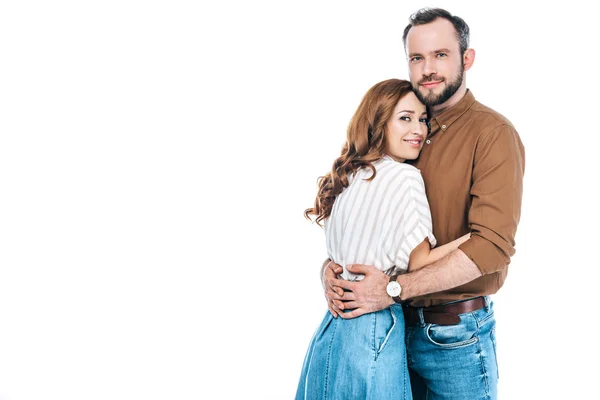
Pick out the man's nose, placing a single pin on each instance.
(429, 68)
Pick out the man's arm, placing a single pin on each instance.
(496, 194)
(369, 295)
(450, 271)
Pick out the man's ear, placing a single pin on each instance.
(468, 58)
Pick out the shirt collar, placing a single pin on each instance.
(450, 115)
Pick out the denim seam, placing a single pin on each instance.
(485, 377)
(373, 331)
(483, 320)
(371, 384)
(405, 382)
(326, 384)
(493, 339)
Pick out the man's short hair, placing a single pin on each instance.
(427, 15)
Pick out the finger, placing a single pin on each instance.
(344, 284)
(333, 306)
(332, 311)
(328, 278)
(332, 295)
(352, 314)
(331, 286)
(347, 296)
(361, 268)
(329, 274)
(340, 305)
(337, 269)
(346, 305)
(338, 290)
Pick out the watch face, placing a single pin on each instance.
(394, 289)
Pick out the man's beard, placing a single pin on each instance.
(433, 99)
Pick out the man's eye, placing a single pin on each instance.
(415, 59)
(442, 55)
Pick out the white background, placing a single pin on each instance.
(156, 158)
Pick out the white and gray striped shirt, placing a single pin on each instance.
(379, 222)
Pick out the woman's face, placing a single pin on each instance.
(407, 129)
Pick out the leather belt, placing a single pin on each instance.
(447, 314)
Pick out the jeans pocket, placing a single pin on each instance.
(452, 336)
(385, 322)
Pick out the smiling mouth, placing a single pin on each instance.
(431, 84)
(413, 141)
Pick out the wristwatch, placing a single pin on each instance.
(394, 289)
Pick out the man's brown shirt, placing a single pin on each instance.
(473, 163)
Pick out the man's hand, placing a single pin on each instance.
(330, 274)
(362, 297)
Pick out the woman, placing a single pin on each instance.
(375, 212)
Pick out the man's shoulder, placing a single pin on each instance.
(493, 126)
(489, 117)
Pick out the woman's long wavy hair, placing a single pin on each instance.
(365, 143)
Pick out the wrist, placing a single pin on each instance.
(394, 290)
(405, 284)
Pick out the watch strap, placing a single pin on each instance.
(396, 299)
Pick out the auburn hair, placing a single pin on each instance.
(365, 143)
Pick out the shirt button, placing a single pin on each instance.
(443, 126)
(428, 141)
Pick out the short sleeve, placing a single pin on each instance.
(416, 220)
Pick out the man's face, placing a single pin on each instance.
(435, 63)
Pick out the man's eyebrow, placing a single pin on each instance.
(432, 52)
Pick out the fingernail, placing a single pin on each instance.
(349, 267)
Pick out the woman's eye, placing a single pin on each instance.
(405, 118)
(423, 120)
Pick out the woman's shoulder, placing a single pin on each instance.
(400, 167)
(387, 170)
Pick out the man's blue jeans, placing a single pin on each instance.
(456, 362)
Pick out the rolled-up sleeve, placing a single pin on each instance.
(496, 193)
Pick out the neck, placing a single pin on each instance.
(453, 100)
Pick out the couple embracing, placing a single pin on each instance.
(420, 213)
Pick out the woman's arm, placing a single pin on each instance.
(423, 254)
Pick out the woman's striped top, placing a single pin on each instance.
(379, 222)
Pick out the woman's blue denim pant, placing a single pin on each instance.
(360, 358)
(456, 362)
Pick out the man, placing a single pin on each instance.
(472, 164)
